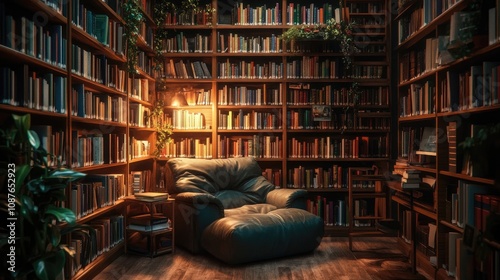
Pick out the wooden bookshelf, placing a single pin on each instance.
(82, 106)
(434, 90)
(238, 101)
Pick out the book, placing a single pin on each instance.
(151, 196)
(148, 219)
(428, 140)
(148, 228)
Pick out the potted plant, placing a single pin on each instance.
(32, 196)
(332, 30)
(477, 146)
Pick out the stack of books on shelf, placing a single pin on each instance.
(148, 222)
(411, 179)
(151, 196)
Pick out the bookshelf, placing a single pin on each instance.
(68, 71)
(450, 92)
(258, 96)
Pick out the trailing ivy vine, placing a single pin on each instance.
(132, 15)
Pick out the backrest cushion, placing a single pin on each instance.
(235, 181)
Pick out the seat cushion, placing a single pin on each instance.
(251, 237)
(261, 208)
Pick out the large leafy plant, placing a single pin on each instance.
(331, 30)
(33, 198)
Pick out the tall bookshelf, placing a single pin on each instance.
(258, 97)
(446, 94)
(63, 62)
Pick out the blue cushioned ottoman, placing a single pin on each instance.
(252, 237)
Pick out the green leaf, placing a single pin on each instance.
(61, 214)
(33, 139)
(22, 172)
(49, 268)
(22, 123)
(28, 208)
(55, 235)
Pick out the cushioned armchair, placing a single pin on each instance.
(208, 190)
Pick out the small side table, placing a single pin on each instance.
(150, 242)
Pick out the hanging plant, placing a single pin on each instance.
(132, 15)
(332, 30)
(163, 129)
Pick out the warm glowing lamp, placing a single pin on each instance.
(178, 100)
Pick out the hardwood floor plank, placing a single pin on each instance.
(373, 258)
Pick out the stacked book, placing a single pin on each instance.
(411, 179)
(148, 222)
(151, 196)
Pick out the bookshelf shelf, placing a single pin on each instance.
(461, 176)
(19, 57)
(449, 225)
(101, 211)
(455, 114)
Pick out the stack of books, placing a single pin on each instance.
(411, 179)
(148, 222)
(151, 196)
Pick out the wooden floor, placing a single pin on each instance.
(373, 258)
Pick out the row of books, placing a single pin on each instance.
(420, 100)
(108, 233)
(99, 26)
(184, 119)
(494, 23)
(139, 89)
(246, 95)
(362, 210)
(45, 42)
(242, 14)
(369, 72)
(195, 17)
(58, 5)
(149, 222)
(365, 7)
(330, 148)
(249, 120)
(189, 148)
(139, 115)
(186, 70)
(139, 148)
(314, 67)
(95, 149)
(146, 34)
(182, 43)
(297, 13)
(145, 63)
(253, 146)
(100, 106)
(96, 191)
(409, 24)
(369, 122)
(303, 94)
(140, 180)
(26, 88)
(274, 176)
(234, 43)
(472, 88)
(52, 140)
(334, 176)
(249, 70)
(198, 96)
(333, 211)
(337, 119)
(97, 68)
